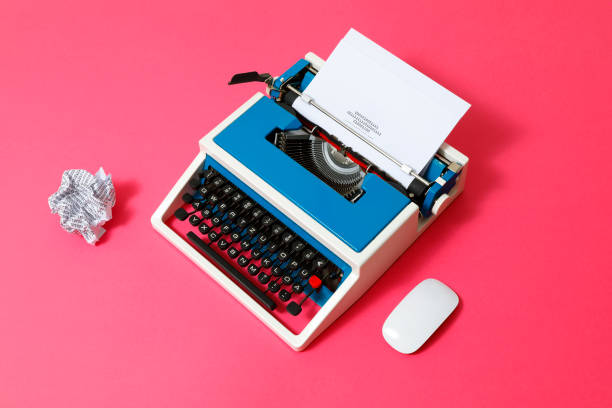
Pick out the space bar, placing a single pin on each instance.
(228, 268)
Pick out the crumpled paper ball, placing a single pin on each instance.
(83, 202)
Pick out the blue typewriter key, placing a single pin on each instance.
(223, 244)
(284, 295)
(206, 213)
(253, 270)
(245, 244)
(305, 273)
(235, 237)
(233, 252)
(204, 228)
(213, 236)
(263, 278)
(195, 220)
(243, 260)
(216, 221)
(293, 265)
(287, 280)
(266, 262)
(256, 253)
(297, 288)
(273, 286)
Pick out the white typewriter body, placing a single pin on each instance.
(366, 265)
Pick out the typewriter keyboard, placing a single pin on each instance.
(267, 259)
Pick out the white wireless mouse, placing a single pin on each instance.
(418, 315)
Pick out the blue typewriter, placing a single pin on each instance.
(290, 221)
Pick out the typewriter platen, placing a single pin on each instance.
(295, 225)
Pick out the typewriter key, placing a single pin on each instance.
(263, 278)
(223, 244)
(243, 260)
(284, 295)
(253, 269)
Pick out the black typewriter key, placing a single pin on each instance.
(284, 295)
(293, 265)
(247, 205)
(257, 213)
(206, 213)
(216, 221)
(277, 229)
(277, 271)
(253, 269)
(218, 181)
(320, 263)
(197, 205)
(273, 247)
(195, 220)
(243, 260)
(194, 183)
(308, 254)
(235, 237)
(245, 244)
(228, 189)
(262, 239)
(266, 262)
(251, 231)
(305, 273)
(187, 198)
(213, 199)
(222, 207)
(266, 221)
(287, 280)
(242, 222)
(287, 237)
(213, 236)
(297, 246)
(274, 286)
(231, 214)
(233, 252)
(223, 244)
(204, 228)
(283, 255)
(209, 173)
(204, 190)
(263, 278)
(297, 288)
(237, 197)
(256, 253)
(226, 229)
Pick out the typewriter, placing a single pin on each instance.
(291, 222)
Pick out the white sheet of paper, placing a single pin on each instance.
(400, 110)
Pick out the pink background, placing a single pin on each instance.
(133, 323)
